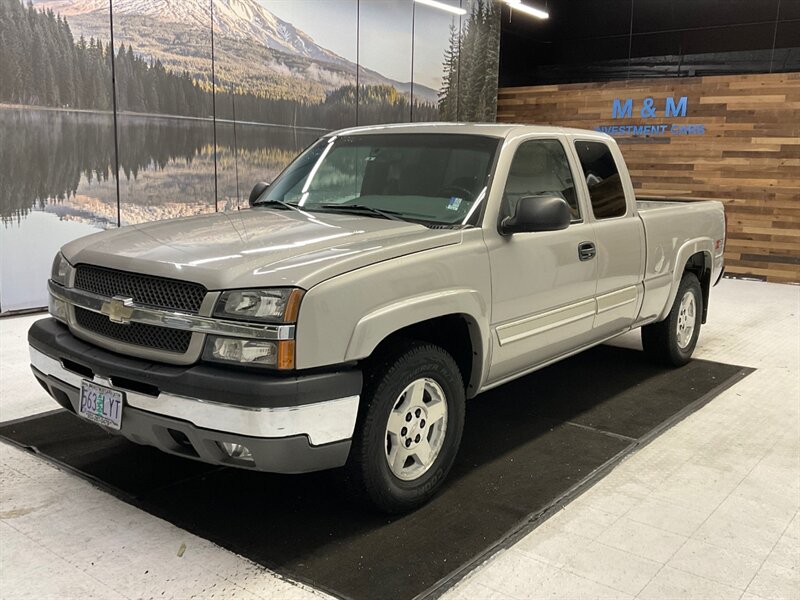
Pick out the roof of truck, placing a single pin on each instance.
(499, 130)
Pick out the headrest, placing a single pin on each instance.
(530, 160)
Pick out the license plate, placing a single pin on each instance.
(101, 404)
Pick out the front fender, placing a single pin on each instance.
(379, 324)
(343, 319)
(376, 326)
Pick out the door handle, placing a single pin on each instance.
(586, 251)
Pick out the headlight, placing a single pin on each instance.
(274, 305)
(277, 354)
(271, 305)
(60, 271)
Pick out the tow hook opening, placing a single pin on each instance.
(183, 441)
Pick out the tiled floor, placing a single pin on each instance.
(707, 510)
(710, 508)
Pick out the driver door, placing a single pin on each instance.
(543, 286)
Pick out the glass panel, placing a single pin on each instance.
(165, 118)
(384, 61)
(602, 179)
(281, 83)
(435, 63)
(478, 61)
(56, 141)
(540, 168)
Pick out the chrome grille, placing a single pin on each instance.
(157, 338)
(159, 292)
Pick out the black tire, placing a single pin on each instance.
(368, 474)
(660, 340)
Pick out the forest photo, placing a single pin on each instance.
(207, 97)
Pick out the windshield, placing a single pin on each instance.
(428, 178)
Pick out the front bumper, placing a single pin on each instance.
(290, 424)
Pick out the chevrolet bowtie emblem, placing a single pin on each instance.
(118, 309)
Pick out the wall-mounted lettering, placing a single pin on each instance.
(673, 110)
(651, 108)
(622, 111)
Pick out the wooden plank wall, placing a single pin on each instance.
(749, 156)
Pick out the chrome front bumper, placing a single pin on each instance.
(297, 437)
(323, 422)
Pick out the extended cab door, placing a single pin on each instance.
(543, 283)
(619, 233)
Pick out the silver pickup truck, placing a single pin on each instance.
(386, 276)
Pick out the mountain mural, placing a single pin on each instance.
(79, 152)
(255, 52)
(244, 20)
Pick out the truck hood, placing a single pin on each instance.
(258, 247)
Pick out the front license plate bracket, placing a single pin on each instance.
(101, 404)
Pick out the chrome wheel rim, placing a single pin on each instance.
(687, 315)
(416, 429)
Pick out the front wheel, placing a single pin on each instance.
(409, 428)
(672, 341)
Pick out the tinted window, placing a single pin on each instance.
(540, 168)
(602, 179)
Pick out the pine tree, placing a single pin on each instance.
(491, 60)
(41, 63)
(477, 63)
(122, 69)
(448, 105)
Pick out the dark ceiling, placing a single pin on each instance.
(597, 40)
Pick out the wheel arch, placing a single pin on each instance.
(695, 256)
(700, 264)
(459, 332)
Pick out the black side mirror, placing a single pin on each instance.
(537, 213)
(257, 190)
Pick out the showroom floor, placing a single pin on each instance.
(707, 510)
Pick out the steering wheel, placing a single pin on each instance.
(456, 190)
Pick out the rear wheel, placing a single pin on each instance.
(673, 340)
(409, 428)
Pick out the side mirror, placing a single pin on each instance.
(257, 190)
(537, 213)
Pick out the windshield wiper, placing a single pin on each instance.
(278, 203)
(386, 214)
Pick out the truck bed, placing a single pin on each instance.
(693, 219)
(645, 203)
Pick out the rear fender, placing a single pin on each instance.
(685, 252)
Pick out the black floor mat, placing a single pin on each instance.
(528, 447)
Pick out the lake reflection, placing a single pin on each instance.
(62, 162)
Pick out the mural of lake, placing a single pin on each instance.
(57, 179)
(284, 72)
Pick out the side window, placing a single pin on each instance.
(602, 179)
(540, 168)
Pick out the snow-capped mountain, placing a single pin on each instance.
(255, 47)
(244, 20)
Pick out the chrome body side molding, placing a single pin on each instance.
(523, 328)
(617, 299)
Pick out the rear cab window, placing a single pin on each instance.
(602, 177)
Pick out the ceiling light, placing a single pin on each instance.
(442, 6)
(528, 10)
